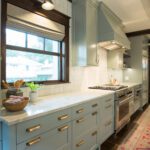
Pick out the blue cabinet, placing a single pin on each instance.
(107, 117)
(85, 32)
(55, 139)
(82, 127)
(34, 127)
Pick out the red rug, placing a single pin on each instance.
(143, 142)
(140, 140)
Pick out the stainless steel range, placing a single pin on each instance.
(123, 95)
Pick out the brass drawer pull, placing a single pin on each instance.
(80, 120)
(80, 111)
(94, 133)
(34, 128)
(94, 105)
(34, 141)
(80, 143)
(108, 123)
(108, 100)
(108, 106)
(61, 129)
(94, 113)
(63, 117)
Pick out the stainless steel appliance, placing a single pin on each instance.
(122, 108)
(111, 34)
(137, 97)
(123, 96)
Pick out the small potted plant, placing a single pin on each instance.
(33, 93)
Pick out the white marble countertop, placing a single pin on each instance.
(49, 104)
(130, 84)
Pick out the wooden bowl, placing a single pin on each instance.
(16, 106)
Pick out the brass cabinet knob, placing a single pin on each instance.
(94, 133)
(94, 113)
(95, 105)
(34, 128)
(80, 120)
(61, 129)
(34, 141)
(108, 106)
(80, 143)
(63, 117)
(80, 111)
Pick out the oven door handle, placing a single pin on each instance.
(125, 101)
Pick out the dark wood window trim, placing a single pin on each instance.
(52, 15)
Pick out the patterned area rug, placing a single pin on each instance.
(139, 137)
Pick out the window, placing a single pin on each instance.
(33, 58)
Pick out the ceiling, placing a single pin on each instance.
(135, 14)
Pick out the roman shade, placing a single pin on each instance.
(33, 23)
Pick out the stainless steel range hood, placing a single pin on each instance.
(111, 35)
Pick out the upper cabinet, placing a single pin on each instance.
(85, 21)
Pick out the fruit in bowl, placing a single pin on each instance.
(15, 103)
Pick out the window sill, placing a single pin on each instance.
(42, 83)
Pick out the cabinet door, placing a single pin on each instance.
(107, 129)
(87, 141)
(107, 108)
(79, 52)
(107, 114)
(57, 139)
(81, 110)
(91, 31)
(84, 124)
(34, 127)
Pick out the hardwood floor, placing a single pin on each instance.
(136, 136)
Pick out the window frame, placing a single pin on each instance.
(39, 51)
(55, 16)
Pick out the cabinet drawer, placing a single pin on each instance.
(108, 99)
(81, 110)
(94, 104)
(84, 124)
(107, 110)
(58, 138)
(31, 128)
(87, 141)
(107, 129)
